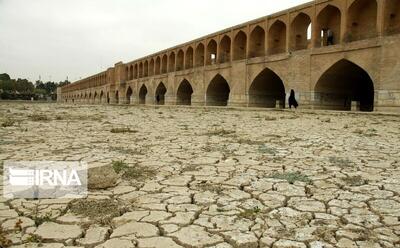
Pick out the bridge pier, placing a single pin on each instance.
(198, 100)
(134, 100)
(113, 100)
(170, 100)
(150, 100)
(237, 101)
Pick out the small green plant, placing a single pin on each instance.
(8, 122)
(250, 214)
(291, 177)
(341, 162)
(355, 181)
(138, 173)
(33, 238)
(211, 188)
(119, 166)
(265, 149)
(39, 117)
(42, 219)
(123, 130)
(101, 211)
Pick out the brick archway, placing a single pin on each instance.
(343, 83)
(218, 91)
(184, 93)
(266, 89)
(362, 20)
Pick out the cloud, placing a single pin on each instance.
(77, 38)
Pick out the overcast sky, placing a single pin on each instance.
(78, 38)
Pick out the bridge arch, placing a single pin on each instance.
(140, 70)
(199, 55)
(164, 64)
(240, 46)
(128, 95)
(211, 57)
(266, 89)
(328, 18)
(299, 39)
(171, 62)
(277, 38)
(161, 90)
(218, 91)
(180, 60)
(257, 42)
(184, 93)
(142, 94)
(117, 97)
(146, 69)
(151, 67)
(157, 66)
(392, 17)
(362, 20)
(225, 49)
(135, 72)
(131, 72)
(189, 58)
(343, 83)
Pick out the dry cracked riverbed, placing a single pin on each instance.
(208, 177)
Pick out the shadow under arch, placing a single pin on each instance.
(343, 83)
(129, 93)
(184, 93)
(116, 97)
(101, 96)
(160, 94)
(218, 92)
(266, 89)
(142, 94)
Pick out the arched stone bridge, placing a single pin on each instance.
(259, 62)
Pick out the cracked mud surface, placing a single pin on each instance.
(223, 178)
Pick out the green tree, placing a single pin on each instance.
(24, 86)
(8, 85)
(50, 87)
(4, 77)
(62, 83)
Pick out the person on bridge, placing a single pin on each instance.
(329, 35)
(292, 100)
